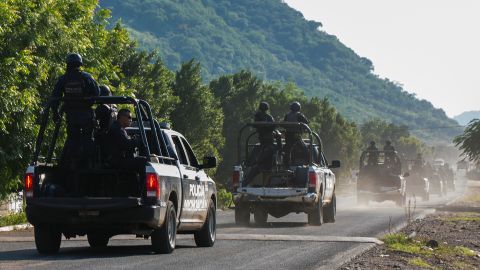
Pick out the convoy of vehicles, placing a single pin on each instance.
(380, 178)
(175, 195)
(305, 185)
(100, 202)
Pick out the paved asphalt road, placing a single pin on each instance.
(289, 244)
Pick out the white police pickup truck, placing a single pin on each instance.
(176, 195)
(265, 184)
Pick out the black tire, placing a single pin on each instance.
(163, 239)
(242, 214)
(97, 239)
(260, 216)
(330, 210)
(315, 217)
(47, 239)
(207, 235)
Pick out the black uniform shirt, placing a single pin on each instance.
(75, 83)
(121, 145)
(265, 135)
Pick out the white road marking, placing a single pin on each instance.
(231, 237)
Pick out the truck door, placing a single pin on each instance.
(187, 174)
(199, 189)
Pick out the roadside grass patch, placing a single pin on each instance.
(450, 254)
(420, 263)
(471, 198)
(13, 219)
(466, 217)
(463, 265)
(400, 242)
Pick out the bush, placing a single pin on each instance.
(13, 219)
(225, 199)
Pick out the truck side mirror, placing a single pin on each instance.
(209, 162)
(335, 164)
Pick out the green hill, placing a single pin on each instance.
(277, 43)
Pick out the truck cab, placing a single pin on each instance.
(170, 194)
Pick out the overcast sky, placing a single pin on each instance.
(432, 47)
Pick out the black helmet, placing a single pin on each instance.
(388, 142)
(105, 91)
(372, 143)
(263, 106)
(74, 59)
(295, 106)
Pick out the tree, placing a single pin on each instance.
(469, 141)
(239, 96)
(35, 37)
(198, 115)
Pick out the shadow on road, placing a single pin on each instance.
(71, 253)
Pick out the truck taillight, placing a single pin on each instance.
(236, 179)
(28, 183)
(312, 179)
(153, 185)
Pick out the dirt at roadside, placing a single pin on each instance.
(456, 230)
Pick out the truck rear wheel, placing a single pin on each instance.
(260, 216)
(206, 236)
(242, 214)
(315, 217)
(330, 210)
(47, 239)
(163, 239)
(97, 239)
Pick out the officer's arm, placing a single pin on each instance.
(94, 90)
(303, 119)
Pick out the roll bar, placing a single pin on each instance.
(304, 128)
(142, 111)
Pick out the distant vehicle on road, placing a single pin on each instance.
(306, 184)
(418, 186)
(380, 178)
(438, 185)
(174, 194)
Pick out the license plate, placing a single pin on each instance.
(85, 213)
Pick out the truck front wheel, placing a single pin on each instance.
(47, 239)
(315, 217)
(163, 239)
(330, 210)
(242, 214)
(206, 236)
(260, 215)
(97, 239)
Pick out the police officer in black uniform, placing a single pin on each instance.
(105, 115)
(372, 154)
(79, 113)
(122, 146)
(262, 156)
(389, 153)
(293, 137)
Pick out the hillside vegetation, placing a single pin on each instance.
(276, 43)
